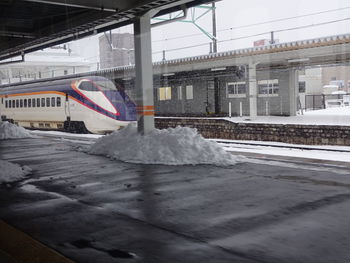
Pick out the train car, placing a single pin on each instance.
(88, 104)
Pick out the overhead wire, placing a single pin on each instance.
(258, 24)
(254, 35)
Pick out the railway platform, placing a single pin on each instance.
(91, 209)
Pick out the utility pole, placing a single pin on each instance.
(217, 106)
(215, 47)
(272, 41)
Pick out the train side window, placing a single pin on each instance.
(2, 100)
(47, 102)
(42, 102)
(10, 102)
(29, 103)
(21, 103)
(58, 100)
(13, 104)
(25, 103)
(52, 102)
(38, 102)
(33, 102)
(6, 104)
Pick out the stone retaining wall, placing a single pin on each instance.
(287, 133)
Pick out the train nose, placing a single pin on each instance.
(123, 104)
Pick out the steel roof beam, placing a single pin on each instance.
(85, 21)
(102, 5)
(16, 34)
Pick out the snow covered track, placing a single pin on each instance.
(286, 146)
(321, 154)
(110, 211)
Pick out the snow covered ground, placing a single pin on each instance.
(320, 152)
(11, 172)
(65, 134)
(330, 116)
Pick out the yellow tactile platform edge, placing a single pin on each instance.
(24, 249)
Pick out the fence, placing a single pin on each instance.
(322, 101)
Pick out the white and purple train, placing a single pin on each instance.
(88, 104)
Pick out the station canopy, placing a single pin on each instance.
(30, 25)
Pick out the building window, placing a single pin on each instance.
(189, 92)
(179, 92)
(268, 87)
(164, 93)
(236, 89)
(58, 100)
(302, 86)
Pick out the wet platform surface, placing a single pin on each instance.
(92, 209)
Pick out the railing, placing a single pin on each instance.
(322, 101)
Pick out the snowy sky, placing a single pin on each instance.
(236, 14)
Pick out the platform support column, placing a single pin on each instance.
(293, 90)
(144, 73)
(217, 96)
(253, 92)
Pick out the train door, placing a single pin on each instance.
(67, 108)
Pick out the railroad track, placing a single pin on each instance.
(289, 146)
(93, 138)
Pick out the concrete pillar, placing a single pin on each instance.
(293, 90)
(144, 74)
(217, 96)
(10, 76)
(253, 92)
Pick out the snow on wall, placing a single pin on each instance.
(12, 131)
(11, 172)
(173, 146)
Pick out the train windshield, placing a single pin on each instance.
(98, 85)
(105, 85)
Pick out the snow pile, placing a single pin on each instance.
(11, 131)
(178, 146)
(10, 172)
